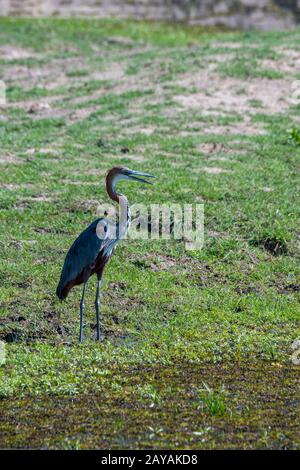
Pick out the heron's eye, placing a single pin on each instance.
(105, 228)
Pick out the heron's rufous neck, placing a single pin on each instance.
(111, 180)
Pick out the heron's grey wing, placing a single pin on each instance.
(82, 255)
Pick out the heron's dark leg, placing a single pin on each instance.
(97, 307)
(82, 305)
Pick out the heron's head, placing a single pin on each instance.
(119, 173)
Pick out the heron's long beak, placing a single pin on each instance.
(134, 176)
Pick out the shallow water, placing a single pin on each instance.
(262, 411)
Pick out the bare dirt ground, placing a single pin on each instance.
(205, 90)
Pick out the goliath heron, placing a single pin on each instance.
(94, 246)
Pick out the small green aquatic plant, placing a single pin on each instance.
(212, 401)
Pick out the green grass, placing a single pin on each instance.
(212, 401)
(107, 85)
(247, 67)
(295, 136)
